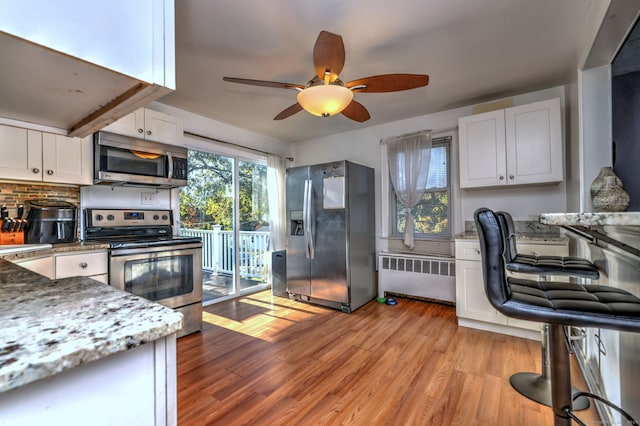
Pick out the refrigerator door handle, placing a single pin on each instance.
(311, 221)
(305, 218)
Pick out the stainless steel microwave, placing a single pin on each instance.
(125, 160)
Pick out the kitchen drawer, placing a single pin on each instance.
(81, 264)
(468, 250)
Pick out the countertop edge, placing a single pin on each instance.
(57, 248)
(558, 239)
(591, 219)
(50, 326)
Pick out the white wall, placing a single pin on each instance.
(223, 132)
(363, 146)
(595, 131)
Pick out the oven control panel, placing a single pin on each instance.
(111, 218)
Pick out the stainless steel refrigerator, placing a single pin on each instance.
(331, 234)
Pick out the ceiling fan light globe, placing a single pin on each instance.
(325, 100)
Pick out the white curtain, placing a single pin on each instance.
(408, 157)
(275, 185)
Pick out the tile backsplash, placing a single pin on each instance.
(13, 194)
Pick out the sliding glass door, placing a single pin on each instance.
(226, 205)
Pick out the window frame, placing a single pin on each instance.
(446, 141)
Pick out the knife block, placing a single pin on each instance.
(7, 238)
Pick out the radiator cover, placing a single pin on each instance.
(419, 276)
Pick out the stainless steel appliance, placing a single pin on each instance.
(147, 260)
(331, 234)
(125, 160)
(51, 222)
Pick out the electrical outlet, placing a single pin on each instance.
(148, 197)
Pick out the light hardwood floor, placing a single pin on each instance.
(264, 360)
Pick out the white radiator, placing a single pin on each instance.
(419, 276)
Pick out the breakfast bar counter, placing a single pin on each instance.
(56, 336)
(608, 359)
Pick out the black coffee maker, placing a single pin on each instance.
(51, 222)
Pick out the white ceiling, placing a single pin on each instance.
(473, 51)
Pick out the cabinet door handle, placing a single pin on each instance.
(35, 170)
(49, 172)
(148, 132)
(140, 130)
(501, 177)
(84, 265)
(511, 177)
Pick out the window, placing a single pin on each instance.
(432, 214)
(225, 204)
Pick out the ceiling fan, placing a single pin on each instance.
(325, 94)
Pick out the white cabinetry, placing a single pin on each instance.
(135, 387)
(45, 157)
(92, 264)
(84, 64)
(514, 146)
(42, 265)
(472, 306)
(149, 124)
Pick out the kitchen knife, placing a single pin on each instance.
(4, 214)
(18, 226)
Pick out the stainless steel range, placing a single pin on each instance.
(147, 260)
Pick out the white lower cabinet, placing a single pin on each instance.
(92, 264)
(42, 265)
(472, 306)
(135, 387)
(82, 264)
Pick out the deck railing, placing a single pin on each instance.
(217, 251)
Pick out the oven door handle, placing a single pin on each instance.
(155, 249)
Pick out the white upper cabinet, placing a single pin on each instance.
(67, 160)
(514, 146)
(45, 157)
(151, 125)
(83, 65)
(22, 153)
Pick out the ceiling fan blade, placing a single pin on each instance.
(328, 54)
(289, 112)
(356, 111)
(263, 83)
(389, 83)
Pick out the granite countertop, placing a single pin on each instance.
(591, 219)
(43, 250)
(49, 326)
(526, 231)
(543, 238)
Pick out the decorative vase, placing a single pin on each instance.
(598, 182)
(611, 197)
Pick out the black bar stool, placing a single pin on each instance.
(558, 304)
(533, 385)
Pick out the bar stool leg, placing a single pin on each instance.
(537, 387)
(561, 373)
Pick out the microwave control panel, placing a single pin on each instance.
(180, 168)
(109, 218)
